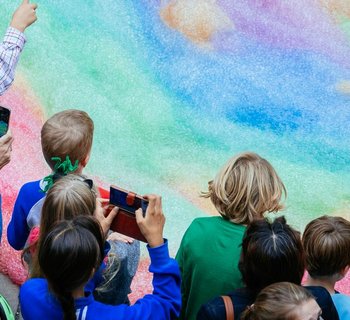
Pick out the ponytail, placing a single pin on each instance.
(67, 303)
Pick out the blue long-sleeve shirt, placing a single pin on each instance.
(18, 229)
(164, 303)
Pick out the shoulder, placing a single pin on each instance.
(34, 285)
(31, 189)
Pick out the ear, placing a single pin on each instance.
(345, 271)
(85, 161)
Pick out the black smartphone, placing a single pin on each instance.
(4, 120)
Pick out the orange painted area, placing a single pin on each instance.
(196, 20)
(338, 8)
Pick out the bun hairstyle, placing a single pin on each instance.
(271, 252)
(276, 302)
(68, 256)
(245, 188)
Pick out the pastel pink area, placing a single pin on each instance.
(26, 164)
(142, 282)
(289, 24)
(342, 286)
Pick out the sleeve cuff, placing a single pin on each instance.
(14, 36)
(160, 253)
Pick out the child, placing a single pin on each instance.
(74, 195)
(283, 300)
(326, 242)
(61, 294)
(67, 133)
(271, 253)
(244, 189)
(66, 140)
(13, 42)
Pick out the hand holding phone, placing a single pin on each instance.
(5, 149)
(152, 224)
(4, 120)
(125, 221)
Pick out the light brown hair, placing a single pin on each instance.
(67, 133)
(245, 188)
(69, 197)
(326, 242)
(279, 301)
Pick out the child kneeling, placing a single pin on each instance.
(69, 257)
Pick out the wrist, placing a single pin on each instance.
(155, 241)
(18, 26)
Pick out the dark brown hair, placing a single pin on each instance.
(68, 255)
(271, 252)
(326, 242)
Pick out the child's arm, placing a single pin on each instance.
(14, 42)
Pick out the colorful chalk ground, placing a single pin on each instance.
(177, 87)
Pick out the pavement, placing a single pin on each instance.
(9, 291)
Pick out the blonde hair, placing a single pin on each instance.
(277, 301)
(245, 188)
(326, 242)
(69, 197)
(69, 132)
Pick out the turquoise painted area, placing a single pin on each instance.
(168, 113)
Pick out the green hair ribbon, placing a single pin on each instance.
(61, 168)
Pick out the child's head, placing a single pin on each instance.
(271, 252)
(326, 242)
(245, 188)
(68, 257)
(283, 301)
(67, 133)
(70, 196)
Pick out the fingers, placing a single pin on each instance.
(112, 215)
(7, 138)
(116, 236)
(139, 216)
(25, 1)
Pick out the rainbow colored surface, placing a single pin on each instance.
(177, 87)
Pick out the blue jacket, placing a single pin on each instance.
(165, 302)
(18, 230)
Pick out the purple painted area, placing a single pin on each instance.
(289, 25)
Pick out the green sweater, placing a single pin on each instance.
(208, 257)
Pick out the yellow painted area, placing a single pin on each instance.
(343, 86)
(196, 20)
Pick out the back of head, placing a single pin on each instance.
(69, 197)
(279, 301)
(68, 256)
(326, 242)
(67, 133)
(245, 188)
(271, 252)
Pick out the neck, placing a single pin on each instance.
(326, 282)
(78, 293)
